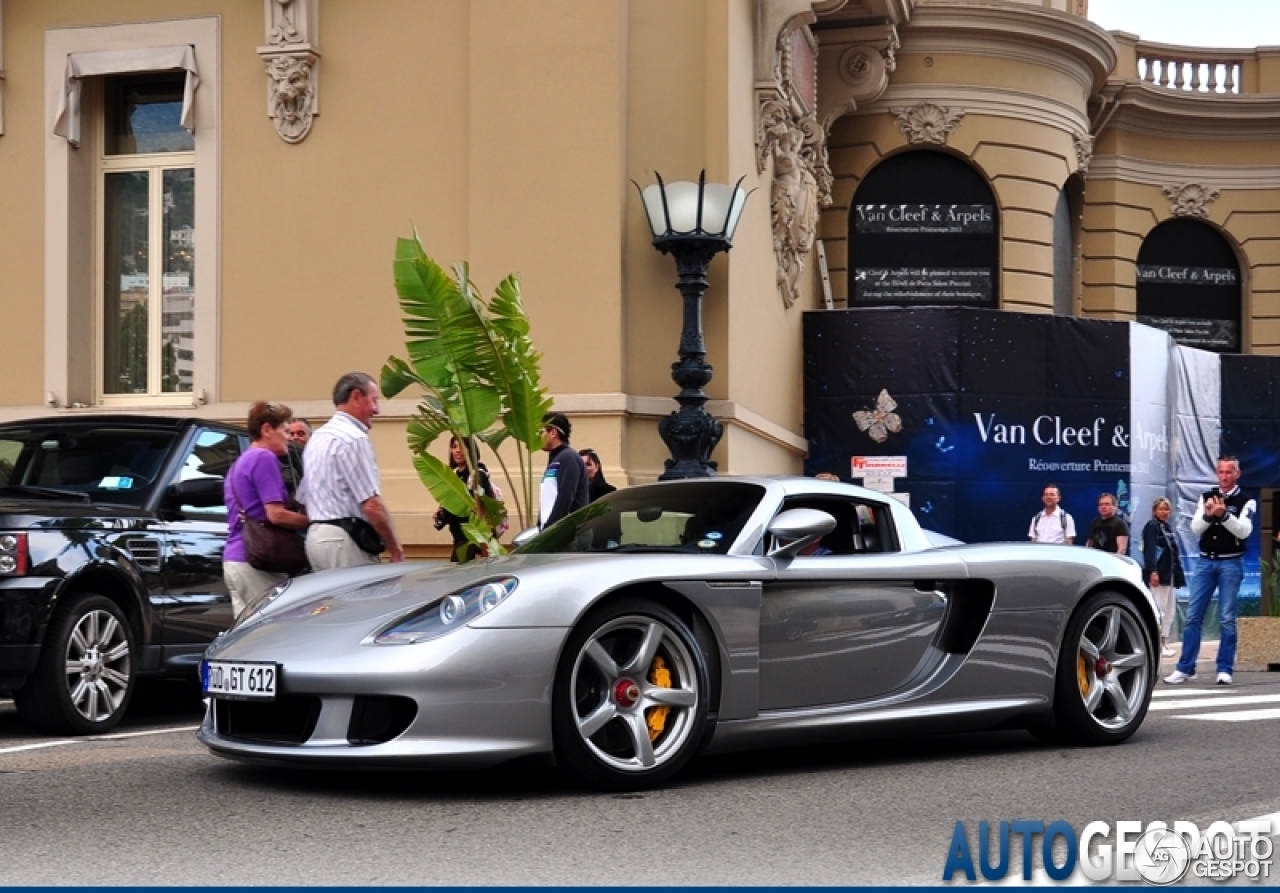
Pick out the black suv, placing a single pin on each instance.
(111, 538)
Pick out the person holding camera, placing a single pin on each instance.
(1162, 567)
(1224, 522)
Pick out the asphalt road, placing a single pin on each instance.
(148, 805)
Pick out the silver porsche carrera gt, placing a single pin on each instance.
(686, 617)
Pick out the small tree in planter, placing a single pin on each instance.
(481, 380)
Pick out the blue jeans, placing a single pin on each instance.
(1225, 576)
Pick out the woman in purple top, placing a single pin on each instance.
(256, 485)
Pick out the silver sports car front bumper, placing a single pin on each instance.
(478, 697)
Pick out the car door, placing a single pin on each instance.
(199, 605)
(854, 623)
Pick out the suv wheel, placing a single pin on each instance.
(84, 679)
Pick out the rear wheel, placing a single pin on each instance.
(84, 679)
(631, 697)
(1105, 672)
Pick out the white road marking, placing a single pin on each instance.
(89, 740)
(1234, 715)
(1233, 701)
(1178, 691)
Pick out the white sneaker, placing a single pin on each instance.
(1168, 651)
(1177, 677)
(1224, 678)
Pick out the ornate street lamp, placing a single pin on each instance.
(692, 222)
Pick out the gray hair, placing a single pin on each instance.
(349, 384)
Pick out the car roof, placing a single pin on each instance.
(116, 420)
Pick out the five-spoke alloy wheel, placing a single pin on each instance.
(85, 678)
(631, 696)
(1105, 672)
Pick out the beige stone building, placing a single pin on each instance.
(201, 197)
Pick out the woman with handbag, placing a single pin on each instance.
(263, 544)
(1162, 568)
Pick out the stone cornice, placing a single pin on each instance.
(1018, 32)
(1160, 173)
(1160, 111)
(731, 412)
(1000, 102)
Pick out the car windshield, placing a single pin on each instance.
(691, 516)
(101, 464)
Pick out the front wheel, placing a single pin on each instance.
(1105, 672)
(84, 679)
(631, 697)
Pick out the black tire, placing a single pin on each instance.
(84, 679)
(1105, 674)
(608, 688)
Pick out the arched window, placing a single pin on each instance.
(923, 230)
(1189, 285)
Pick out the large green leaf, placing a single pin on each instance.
(396, 376)
(447, 488)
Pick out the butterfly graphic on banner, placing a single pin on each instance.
(881, 421)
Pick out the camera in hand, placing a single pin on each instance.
(439, 521)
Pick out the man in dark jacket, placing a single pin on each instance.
(1224, 521)
(564, 483)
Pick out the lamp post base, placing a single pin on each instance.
(691, 435)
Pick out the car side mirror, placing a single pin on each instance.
(797, 528)
(198, 492)
(524, 536)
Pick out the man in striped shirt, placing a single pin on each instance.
(341, 486)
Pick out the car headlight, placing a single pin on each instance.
(259, 604)
(13, 554)
(447, 614)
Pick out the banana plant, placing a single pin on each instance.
(481, 381)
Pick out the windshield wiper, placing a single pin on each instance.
(640, 547)
(51, 492)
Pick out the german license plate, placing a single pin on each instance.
(239, 679)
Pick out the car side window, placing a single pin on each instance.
(862, 528)
(211, 456)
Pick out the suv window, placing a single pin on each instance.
(212, 455)
(109, 465)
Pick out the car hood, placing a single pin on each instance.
(345, 606)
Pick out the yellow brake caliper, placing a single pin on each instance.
(1082, 673)
(656, 717)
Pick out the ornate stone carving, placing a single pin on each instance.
(1190, 199)
(1084, 151)
(890, 51)
(927, 122)
(292, 94)
(292, 63)
(789, 134)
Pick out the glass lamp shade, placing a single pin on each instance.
(693, 209)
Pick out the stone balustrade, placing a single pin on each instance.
(1191, 69)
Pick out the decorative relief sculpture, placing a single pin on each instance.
(291, 96)
(789, 134)
(1190, 199)
(1084, 151)
(292, 59)
(927, 123)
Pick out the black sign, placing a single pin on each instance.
(1221, 335)
(929, 285)
(923, 229)
(1170, 275)
(924, 219)
(1189, 285)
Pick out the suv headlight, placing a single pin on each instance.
(447, 614)
(13, 554)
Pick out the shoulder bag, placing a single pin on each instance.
(276, 550)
